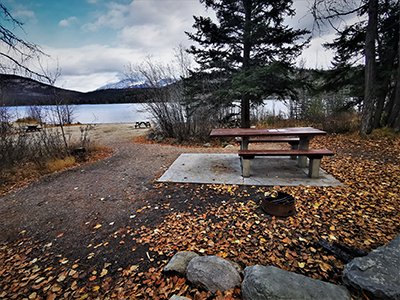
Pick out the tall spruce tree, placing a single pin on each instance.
(251, 46)
(376, 39)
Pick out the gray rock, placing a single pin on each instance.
(175, 297)
(207, 145)
(377, 274)
(179, 262)
(271, 283)
(213, 273)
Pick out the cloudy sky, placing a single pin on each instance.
(94, 40)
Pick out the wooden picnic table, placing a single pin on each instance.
(32, 127)
(305, 134)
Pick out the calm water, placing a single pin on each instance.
(100, 113)
(129, 113)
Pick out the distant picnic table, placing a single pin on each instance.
(146, 124)
(32, 127)
(298, 137)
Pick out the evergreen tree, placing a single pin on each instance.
(251, 46)
(373, 44)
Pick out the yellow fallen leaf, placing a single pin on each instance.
(325, 267)
(55, 288)
(301, 264)
(97, 226)
(103, 272)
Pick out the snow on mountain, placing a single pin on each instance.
(132, 84)
(124, 84)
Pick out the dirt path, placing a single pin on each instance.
(67, 209)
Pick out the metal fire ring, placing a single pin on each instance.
(279, 204)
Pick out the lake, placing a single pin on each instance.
(99, 113)
(129, 113)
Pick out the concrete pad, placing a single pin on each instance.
(207, 168)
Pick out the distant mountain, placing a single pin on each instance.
(135, 84)
(16, 90)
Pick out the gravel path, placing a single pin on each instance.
(110, 190)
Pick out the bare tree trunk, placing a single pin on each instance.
(378, 119)
(245, 104)
(370, 97)
(394, 116)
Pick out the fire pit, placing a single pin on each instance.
(279, 204)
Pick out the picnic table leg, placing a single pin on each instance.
(294, 146)
(244, 145)
(303, 145)
(313, 168)
(246, 167)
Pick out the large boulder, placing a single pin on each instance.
(179, 262)
(213, 273)
(271, 283)
(377, 274)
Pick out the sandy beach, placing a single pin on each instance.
(106, 132)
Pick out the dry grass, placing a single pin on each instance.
(60, 164)
(27, 121)
(24, 173)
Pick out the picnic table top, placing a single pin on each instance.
(248, 132)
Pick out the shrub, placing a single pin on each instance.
(342, 123)
(28, 120)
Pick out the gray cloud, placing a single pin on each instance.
(154, 28)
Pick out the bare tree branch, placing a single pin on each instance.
(330, 13)
(15, 51)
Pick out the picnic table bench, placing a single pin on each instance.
(293, 141)
(314, 155)
(297, 137)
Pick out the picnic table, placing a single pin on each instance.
(32, 127)
(302, 134)
(146, 124)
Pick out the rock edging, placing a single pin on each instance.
(260, 282)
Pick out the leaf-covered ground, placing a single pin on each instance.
(217, 220)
